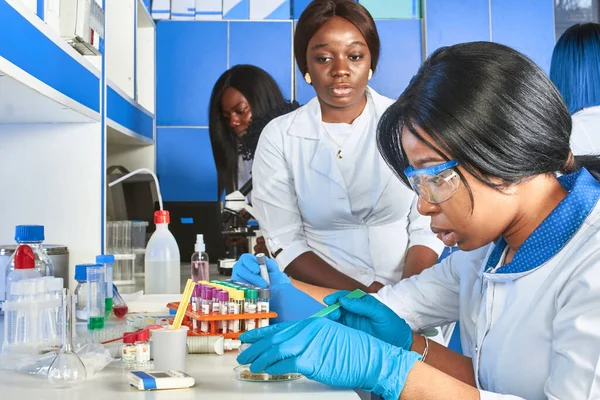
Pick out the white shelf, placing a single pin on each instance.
(128, 122)
(119, 135)
(19, 103)
(145, 58)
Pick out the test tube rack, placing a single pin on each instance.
(213, 318)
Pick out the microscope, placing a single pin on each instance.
(239, 231)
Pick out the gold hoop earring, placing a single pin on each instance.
(370, 74)
(307, 78)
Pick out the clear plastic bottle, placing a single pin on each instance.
(32, 236)
(200, 265)
(81, 292)
(162, 262)
(24, 268)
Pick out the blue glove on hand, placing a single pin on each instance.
(369, 315)
(247, 270)
(330, 353)
(289, 303)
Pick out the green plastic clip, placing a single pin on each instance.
(357, 294)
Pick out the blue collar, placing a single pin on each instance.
(556, 230)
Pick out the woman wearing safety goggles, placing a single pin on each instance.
(480, 135)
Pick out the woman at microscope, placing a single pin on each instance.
(243, 100)
(243, 94)
(330, 210)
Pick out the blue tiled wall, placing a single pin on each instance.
(452, 22)
(260, 51)
(192, 54)
(527, 26)
(185, 164)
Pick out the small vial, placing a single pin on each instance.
(207, 302)
(264, 272)
(142, 348)
(128, 351)
(194, 302)
(216, 307)
(224, 309)
(235, 306)
(251, 303)
(264, 298)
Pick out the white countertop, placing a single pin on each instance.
(213, 375)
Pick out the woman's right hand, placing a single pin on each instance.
(369, 315)
(247, 270)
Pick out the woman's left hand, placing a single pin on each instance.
(330, 353)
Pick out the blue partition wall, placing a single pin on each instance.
(192, 54)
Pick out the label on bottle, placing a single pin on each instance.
(250, 324)
(251, 308)
(128, 355)
(234, 325)
(263, 322)
(142, 353)
(194, 308)
(205, 308)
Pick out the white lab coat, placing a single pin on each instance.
(532, 334)
(585, 135)
(302, 202)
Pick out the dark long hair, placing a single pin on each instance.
(488, 107)
(262, 93)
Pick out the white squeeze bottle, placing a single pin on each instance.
(162, 264)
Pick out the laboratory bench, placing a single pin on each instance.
(213, 375)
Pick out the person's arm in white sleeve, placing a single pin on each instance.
(575, 362)
(276, 208)
(431, 298)
(424, 248)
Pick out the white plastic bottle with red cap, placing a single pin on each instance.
(162, 263)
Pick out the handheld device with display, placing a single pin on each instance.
(157, 380)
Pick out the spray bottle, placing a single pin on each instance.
(200, 266)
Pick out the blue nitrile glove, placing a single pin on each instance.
(289, 303)
(247, 270)
(330, 353)
(369, 315)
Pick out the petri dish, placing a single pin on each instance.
(243, 373)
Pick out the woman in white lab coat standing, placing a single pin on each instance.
(575, 70)
(479, 134)
(330, 210)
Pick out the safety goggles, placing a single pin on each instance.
(434, 184)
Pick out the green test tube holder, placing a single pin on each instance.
(357, 294)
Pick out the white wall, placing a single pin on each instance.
(50, 175)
